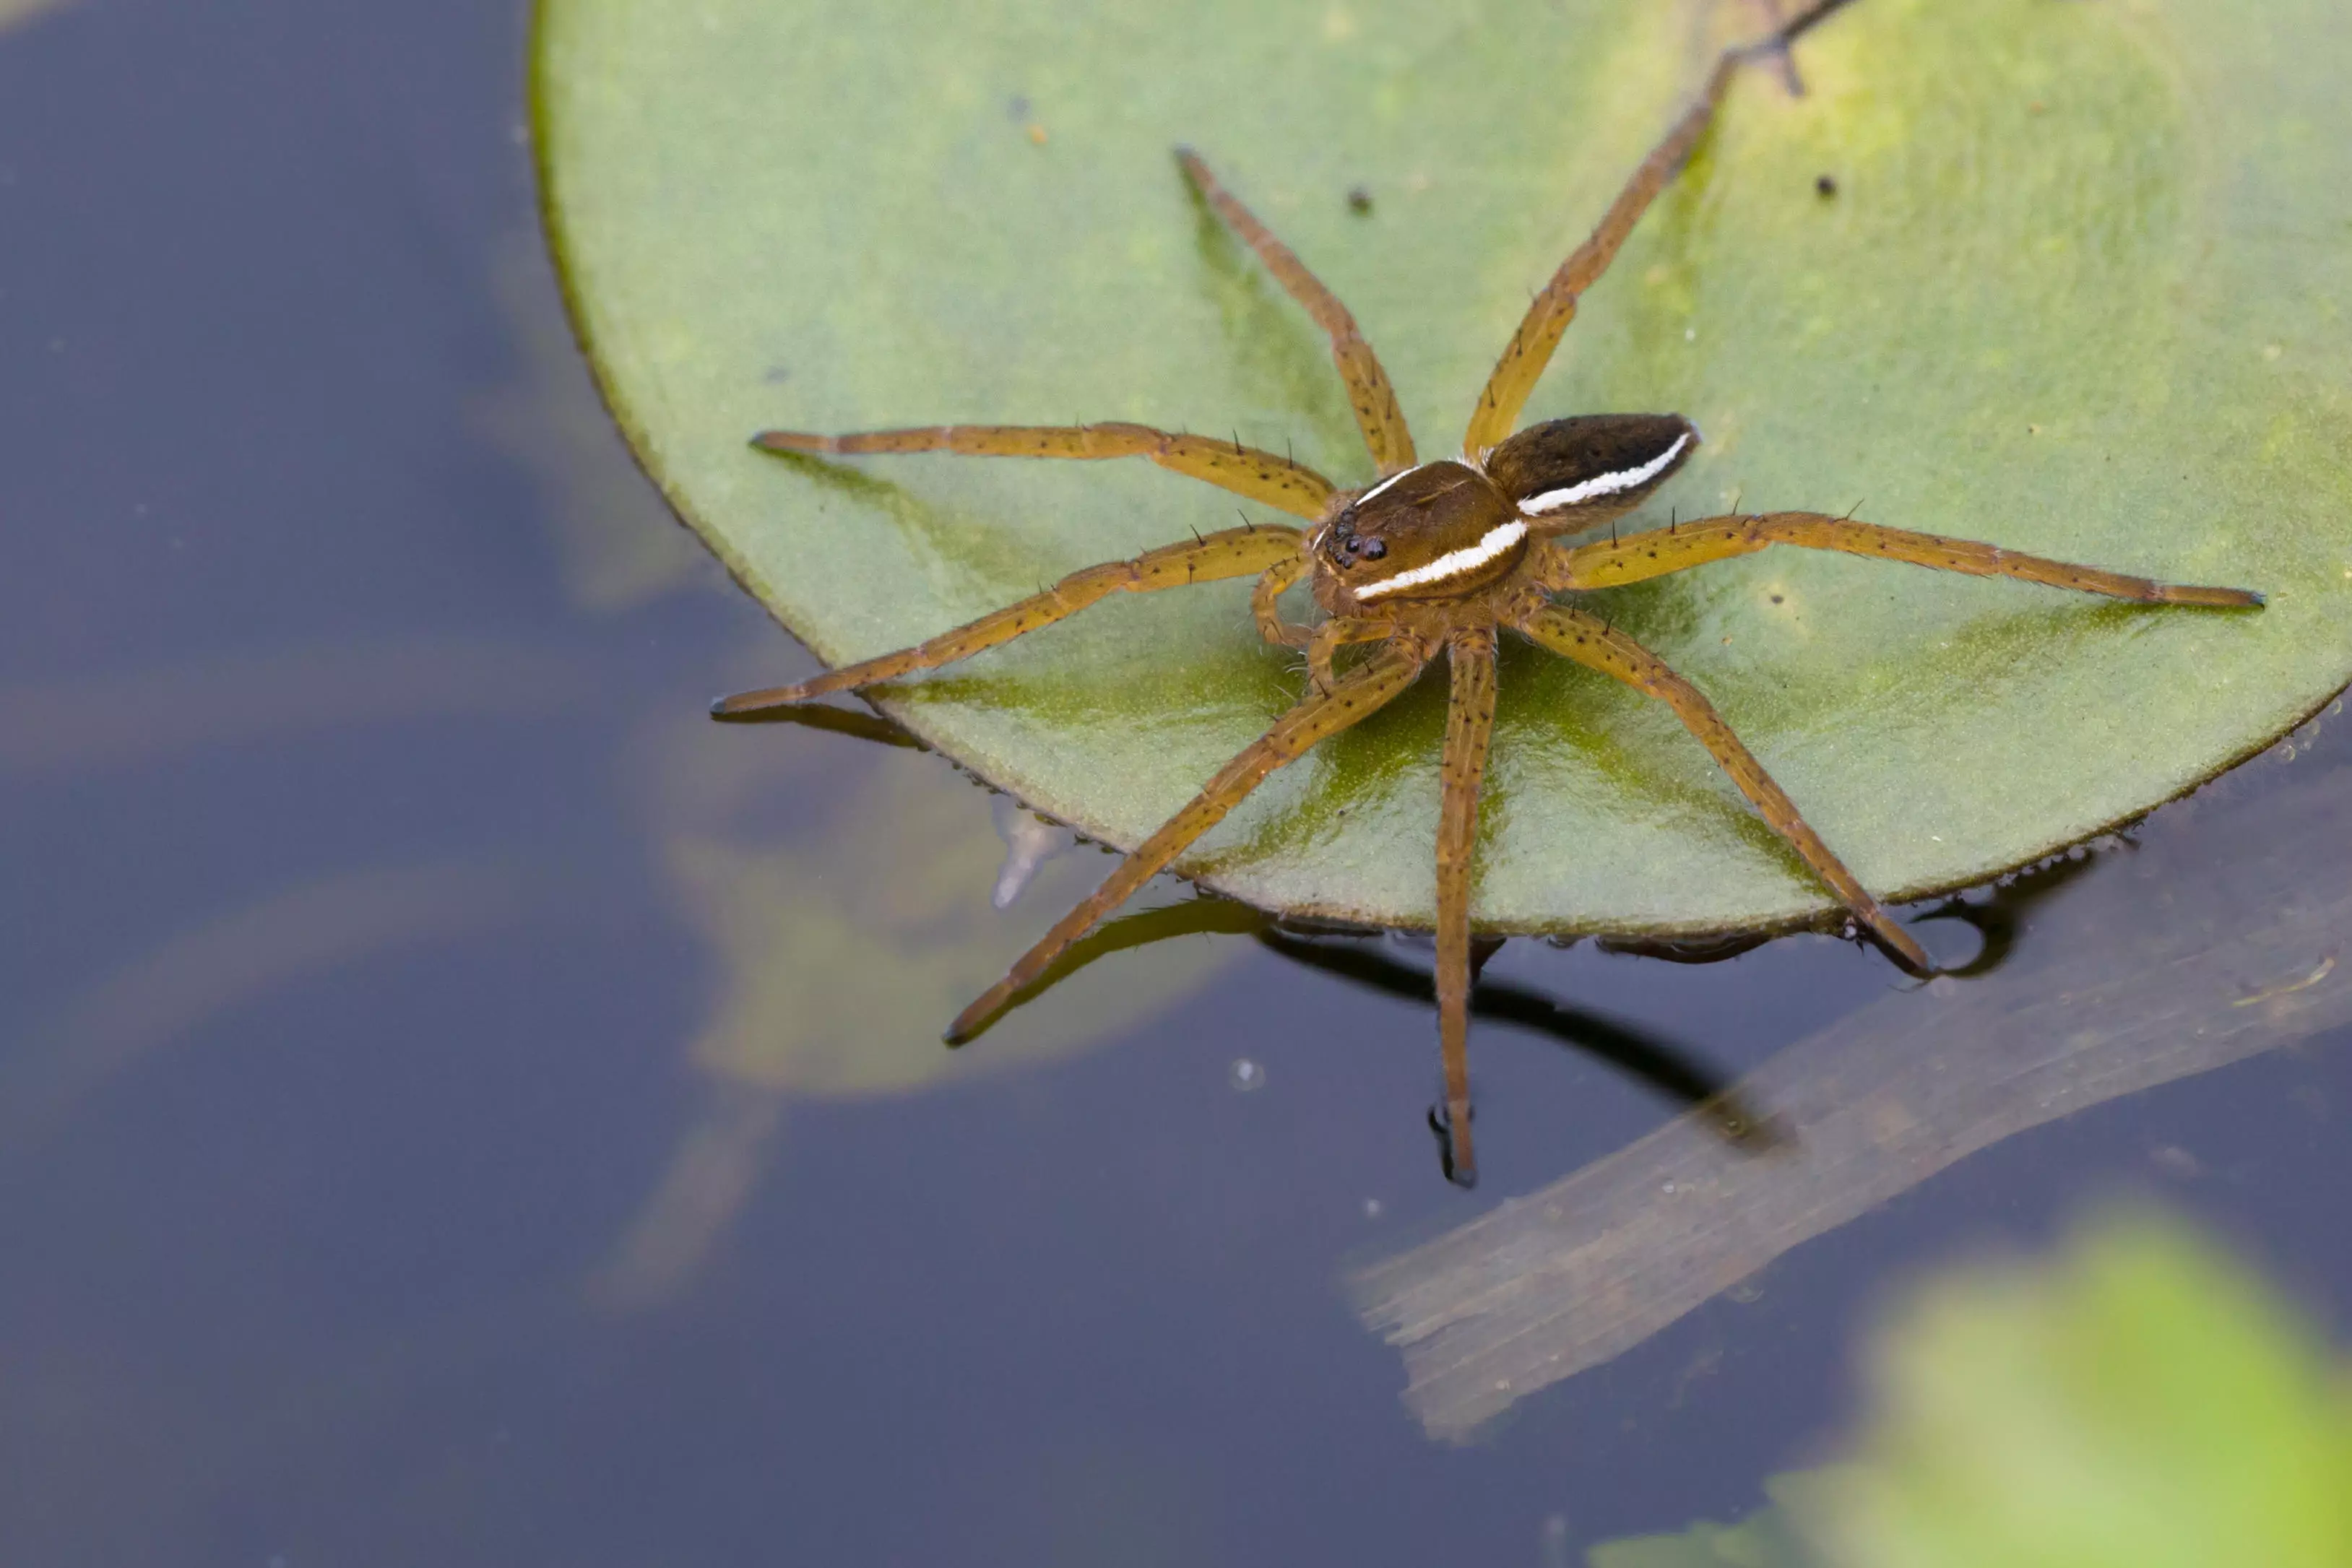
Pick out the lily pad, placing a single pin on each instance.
(2080, 290)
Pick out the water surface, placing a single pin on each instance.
(458, 1106)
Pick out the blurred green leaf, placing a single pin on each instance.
(2143, 1404)
(2143, 1401)
(2079, 292)
(1768, 1538)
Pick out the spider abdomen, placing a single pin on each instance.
(1437, 531)
(1570, 473)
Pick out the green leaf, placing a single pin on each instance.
(2144, 1405)
(2141, 1401)
(2080, 291)
(1768, 1538)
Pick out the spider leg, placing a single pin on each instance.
(1317, 718)
(1573, 634)
(1529, 349)
(1236, 552)
(1775, 49)
(1656, 552)
(1228, 464)
(1469, 726)
(1327, 640)
(1367, 385)
(1277, 580)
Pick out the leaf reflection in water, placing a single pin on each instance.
(233, 959)
(845, 937)
(2199, 949)
(94, 724)
(15, 11)
(614, 545)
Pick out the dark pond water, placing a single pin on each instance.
(426, 1136)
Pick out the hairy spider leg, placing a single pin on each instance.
(1586, 640)
(1530, 348)
(1369, 391)
(1317, 718)
(1776, 48)
(1469, 727)
(1228, 464)
(1235, 552)
(1659, 551)
(1341, 632)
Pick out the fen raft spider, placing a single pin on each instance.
(1437, 557)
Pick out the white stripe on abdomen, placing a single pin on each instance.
(1603, 483)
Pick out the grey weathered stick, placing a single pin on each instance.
(2202, 948)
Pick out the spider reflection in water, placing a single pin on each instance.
(1438, 558)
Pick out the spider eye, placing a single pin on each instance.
(1373, 548)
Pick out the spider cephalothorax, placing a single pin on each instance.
(1437, 557)
(1437, 531)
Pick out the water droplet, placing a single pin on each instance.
(1246, 1076)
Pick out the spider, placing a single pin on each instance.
(1437, 556)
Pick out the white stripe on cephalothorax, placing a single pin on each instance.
(1387, 482)
(1452, 563)
(1604, 484)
